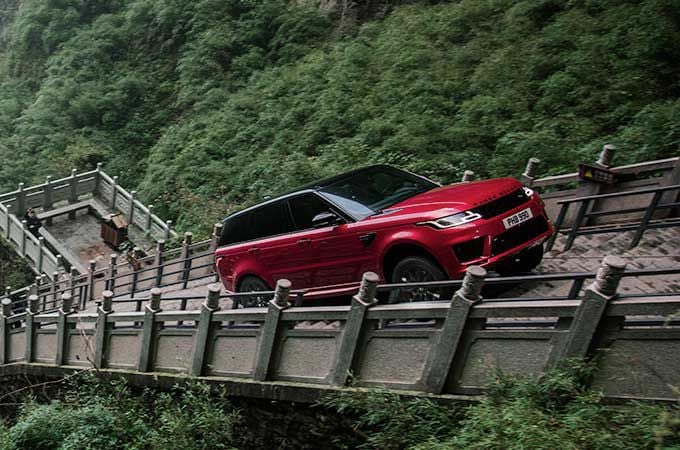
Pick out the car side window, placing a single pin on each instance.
(268, 220)
(304, 208)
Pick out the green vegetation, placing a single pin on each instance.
(555, 411)
(100, 415)
(208, 105)
(14, 271)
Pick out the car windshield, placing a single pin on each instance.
(370, 191)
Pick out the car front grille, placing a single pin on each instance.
(502, 204)
(469, 250)
(518, 235)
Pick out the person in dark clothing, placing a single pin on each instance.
(32, 221)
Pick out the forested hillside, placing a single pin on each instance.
(207, 105)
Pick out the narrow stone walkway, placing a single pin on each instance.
(659, 249)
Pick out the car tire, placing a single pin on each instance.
(251, 283)
(415, 269)
(524, 262)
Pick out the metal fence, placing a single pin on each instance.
(588, 210)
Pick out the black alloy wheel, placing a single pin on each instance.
(253, 284)
(415, 269)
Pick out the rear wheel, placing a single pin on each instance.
(414, 269)
(252, 283)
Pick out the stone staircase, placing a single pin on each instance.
(659, 249)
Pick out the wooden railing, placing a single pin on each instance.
(447, 347)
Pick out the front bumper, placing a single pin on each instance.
(486, 242)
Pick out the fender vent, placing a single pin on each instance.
(469, 250)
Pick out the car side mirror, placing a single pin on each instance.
(326, 219)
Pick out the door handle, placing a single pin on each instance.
(253, 250)
(304, 241)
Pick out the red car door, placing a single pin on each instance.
(334, 254)
(277, 253)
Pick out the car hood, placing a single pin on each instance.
(451, 199)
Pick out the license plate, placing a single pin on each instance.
(517, 218)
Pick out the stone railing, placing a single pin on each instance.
(66, 196)
(441, 348)
(639, 176)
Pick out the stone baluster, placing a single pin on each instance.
(447, 342)
(270, 329)
(354, 326)
(204, 329)
(606, 155)
(591, 310)
(63, 328)
(468, 175)
(530, 171)
(148, 330)
(103, 327)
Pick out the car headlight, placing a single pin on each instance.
(529, 192)
(453, 220)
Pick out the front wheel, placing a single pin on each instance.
(415, 269)
(253, 284)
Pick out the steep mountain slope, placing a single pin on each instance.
(206, 106)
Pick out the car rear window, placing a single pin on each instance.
(265, 221)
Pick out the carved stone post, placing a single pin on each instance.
(353, 329)
(167, 228)
(606, 155)
(185, 256)
(21, 201)
(73, 192)
(8, 221)
(215, 238)
(41, 254)
(204, 328)
(97, 179)
(149, 220)
(24, 237)
(270, 329)
(590, 311)
(158, 262)
(114, 192)
(529, 174)
(47, 195)
(63, 328)
(148, 330)
(73, 274)
(448, 339)
(468, 175)
(31, 312)
(102, 328)
(131, 208)
(54, 288)
(113, 271)
(91, 268)
(214, 242)
(4, 330)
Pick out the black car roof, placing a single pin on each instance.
(334, 179)
(318, 185)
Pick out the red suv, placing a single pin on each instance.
(400, 225)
